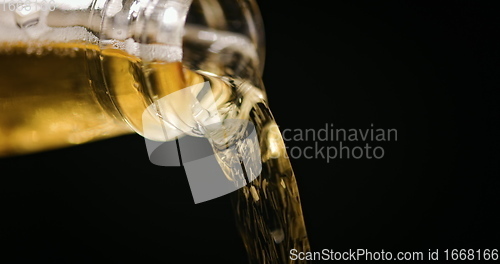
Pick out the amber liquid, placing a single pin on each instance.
(59, 95)
(47, 98)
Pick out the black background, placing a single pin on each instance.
(429, 70)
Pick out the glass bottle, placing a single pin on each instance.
(77, 71)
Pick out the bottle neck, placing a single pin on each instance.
(150, 29)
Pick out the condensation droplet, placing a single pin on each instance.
(278, 235)
(26, 15)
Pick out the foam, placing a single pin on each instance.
(40, 33)
(147, 52)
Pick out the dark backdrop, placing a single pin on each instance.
(429, 70)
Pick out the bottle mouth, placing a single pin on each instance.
(160, 30)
